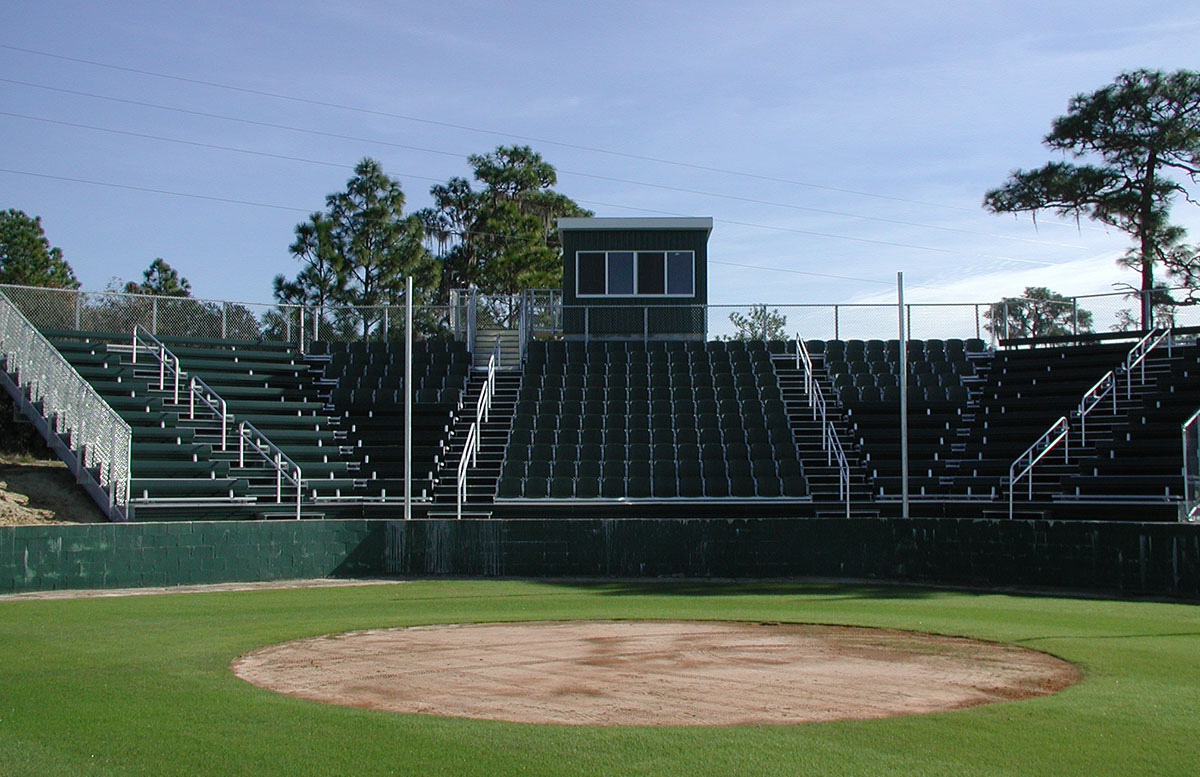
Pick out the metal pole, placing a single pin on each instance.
(408, 396)
(903, 395)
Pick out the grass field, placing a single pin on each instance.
(141, 686)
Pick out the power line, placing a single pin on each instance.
(305, 210)
(468, 128)
(308, 210)
(647, 184)
(888, 243)
(152, 190)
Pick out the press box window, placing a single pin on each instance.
(592, 273)
(635, 274)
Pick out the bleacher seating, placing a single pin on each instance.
(365, 383)
(650, 421)
(658, 422)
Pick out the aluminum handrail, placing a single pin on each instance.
(1092, 398)
(198, 389)
(104, 440)
(1059, 431)
(165, 357)
(483, 408)
(1108, 384)
(263, 446)
(1142, 349)
(830, 441)
(1190, 508)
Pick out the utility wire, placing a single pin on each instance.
(152, 190)
(190, 195)
(824, 234)
(724, 221)
(456, 155)
(467, 128)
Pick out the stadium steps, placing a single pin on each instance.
(823, 478)
(180, 470)
(482, 479)
(510, 349)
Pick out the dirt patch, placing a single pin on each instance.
(653, 672)
(36, 491)
(205, 588)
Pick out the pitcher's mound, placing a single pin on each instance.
(653, 672)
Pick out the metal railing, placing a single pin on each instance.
(197, 389)
(830, 441)
(1189, 508)
(1092, 398)
(1137, 356)
(1058, 432)
(1108, 385)
(483, 407)
(102, 439)
(270, 452)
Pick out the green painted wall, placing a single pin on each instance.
(120, 555)
(1108, 556)
(1083, 555)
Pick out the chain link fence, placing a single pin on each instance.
(116, 313)
(540, 313)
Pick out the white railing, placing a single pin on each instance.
(97, 432)
(143, 338)
(197, 389)
(1058, 432)
(483, 407)
(830, 441)
(1189, 509)
(1107, 386)
(1092, 398)
(270, 452)
(1137, 356)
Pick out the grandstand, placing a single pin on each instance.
(598, 405)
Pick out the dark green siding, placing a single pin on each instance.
(687, 321)
(1158, 558)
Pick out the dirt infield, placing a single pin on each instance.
(654, 672)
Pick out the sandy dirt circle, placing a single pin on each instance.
(654, 672)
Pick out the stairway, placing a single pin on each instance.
(482, 478)
(510, 348)
(821, 473)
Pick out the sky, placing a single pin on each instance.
(833, 143)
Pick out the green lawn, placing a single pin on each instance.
(141, 686)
